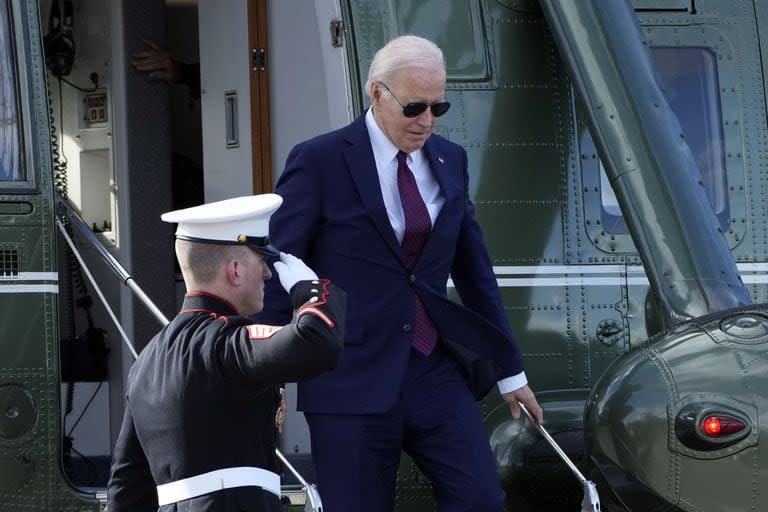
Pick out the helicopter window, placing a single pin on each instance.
(10, 147)
(689, 77)
(457, 26)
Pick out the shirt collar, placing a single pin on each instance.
(383, 150)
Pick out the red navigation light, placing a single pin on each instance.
(712, 425)
(709, 426)
(719, 425)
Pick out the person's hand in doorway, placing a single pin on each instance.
(158, 63)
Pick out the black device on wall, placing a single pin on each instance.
(59, 43)
(85, 358)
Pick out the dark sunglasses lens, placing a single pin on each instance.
(414, 109)
(439, 109)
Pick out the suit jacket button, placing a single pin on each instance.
(413, 278)
(407, 327)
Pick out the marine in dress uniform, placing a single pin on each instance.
(199, 431)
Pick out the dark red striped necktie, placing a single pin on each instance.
(417, 228)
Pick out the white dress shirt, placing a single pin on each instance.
(385, 154)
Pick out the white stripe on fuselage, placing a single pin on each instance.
(20, 283)
(594, 275)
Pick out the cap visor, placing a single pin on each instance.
(267, 250)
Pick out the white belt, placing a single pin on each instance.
(228, 478)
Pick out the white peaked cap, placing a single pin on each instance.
(238, 221)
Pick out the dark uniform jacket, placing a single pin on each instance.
(203, 395)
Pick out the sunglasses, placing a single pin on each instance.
(415, 109)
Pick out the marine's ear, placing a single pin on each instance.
(233, 272)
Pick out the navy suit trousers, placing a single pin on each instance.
(435, 420)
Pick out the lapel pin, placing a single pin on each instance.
(440, 159)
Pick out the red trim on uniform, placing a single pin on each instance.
(215, 316)
(310, 307)
(207, 294)
(262, 332)
(324, 297)
(196, 311)
(312, 311)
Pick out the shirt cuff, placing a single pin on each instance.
(512, 383)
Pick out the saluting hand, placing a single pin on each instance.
(291, 270)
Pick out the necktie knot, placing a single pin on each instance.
(402, 159)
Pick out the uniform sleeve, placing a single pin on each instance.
(131, 487)
(305, 348)
(475, 281)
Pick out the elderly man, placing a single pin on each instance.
(199, 430)
(382, 207)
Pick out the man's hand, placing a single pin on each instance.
(291, 270)
(157, 62)
(525, 396)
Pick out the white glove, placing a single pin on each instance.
(291, 270)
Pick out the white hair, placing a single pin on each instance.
(403, 52)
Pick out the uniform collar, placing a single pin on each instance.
(202, 302)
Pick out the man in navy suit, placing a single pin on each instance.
(382, 208)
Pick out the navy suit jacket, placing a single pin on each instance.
(333, 217)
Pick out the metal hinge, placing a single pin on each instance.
(337, 33)
(258, 59)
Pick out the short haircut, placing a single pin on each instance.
(403, 52)
(200, 262)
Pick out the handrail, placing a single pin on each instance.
(128, 280)
(96, 287)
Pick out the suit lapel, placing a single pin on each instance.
(362, 167)
(448, 176)
(446, 172)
